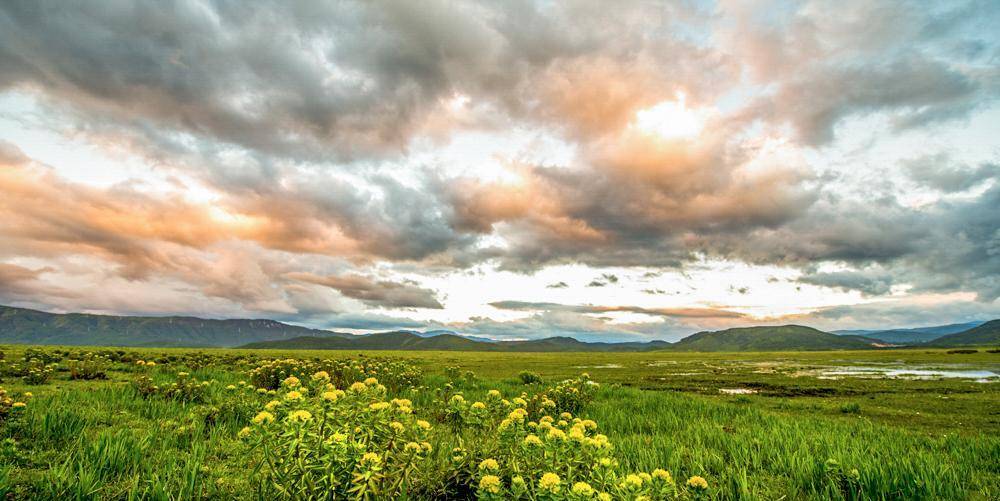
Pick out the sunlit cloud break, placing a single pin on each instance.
(509, 169)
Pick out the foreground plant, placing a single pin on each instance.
(321, 442)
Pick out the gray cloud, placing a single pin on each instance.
(300, 117)
(939, 172)
(381, 293)
(876, 284)
(660, 312)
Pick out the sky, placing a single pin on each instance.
(621, 171)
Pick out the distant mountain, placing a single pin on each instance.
(912, 335)
(405, 340)
(987, 334)
(783, 338)
(24, 326)
(779, 338)
(439, 332)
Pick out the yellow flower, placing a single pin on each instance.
(358, 387)
(245, 432)
(662, 474)
(583, 489)
(231, 387)
(396, 426)
(293, 395)
(272, 404)
(698, 483)
(338, 437)
(493, 394)
(426, 446)
(490, 484)
(28, 394)
(532, 439)
(378, 406)
(632, 481)
(291, 382)
(371, 381)
(479, 406)
(556, 434)
(263, 417)
(458, 399)
(549, 482)
(489, 464)
(300, 416)
(604, 496)
(589, 424)
(321, 376)
(19, 405)
(329, 396)
(371, 459)
(412, 447)
(182, 374)
(517, 481)
(566, 416)
(520, 402)
(150, 364)
(601, 441)
(423, 425)
(517, 415)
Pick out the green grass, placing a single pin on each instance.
(907, 439)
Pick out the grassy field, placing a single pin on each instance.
(804, 425)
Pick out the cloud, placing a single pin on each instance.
(381, 293)
(304, 146)
(875, 284)
(19, 283)
(661, 312)
(11, 155)
(604, 279)
(939, 172)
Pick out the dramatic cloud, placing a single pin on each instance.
(494, 166)
(376, 293)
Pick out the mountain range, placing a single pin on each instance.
(25, 326)
(911, 335)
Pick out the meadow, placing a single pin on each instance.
(103, 423)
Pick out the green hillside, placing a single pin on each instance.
(24, 326)
(985, 335)
(779, 338)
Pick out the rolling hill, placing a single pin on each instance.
(405, 340)
(912, 335)
(987, 334)
(779, 338)
(24, 326)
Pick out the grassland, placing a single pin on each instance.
(793, 437)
